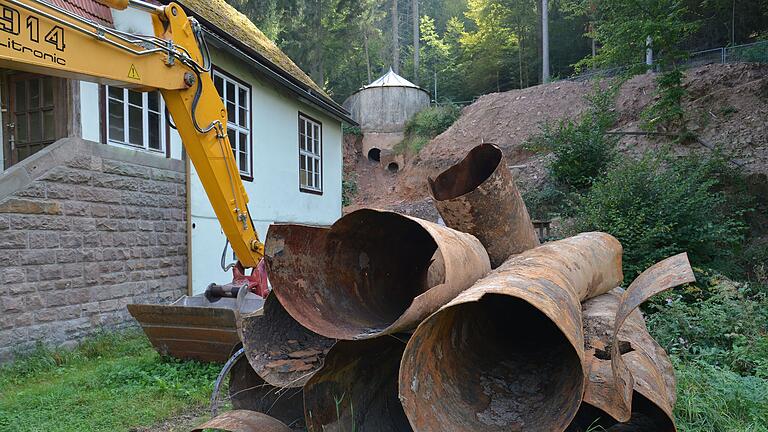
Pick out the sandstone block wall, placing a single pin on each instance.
(86, 229)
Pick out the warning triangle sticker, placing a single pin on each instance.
(133, 73)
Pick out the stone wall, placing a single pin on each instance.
(86, 229)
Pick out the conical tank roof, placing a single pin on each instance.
(391, 79)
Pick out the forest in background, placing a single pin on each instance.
(460, 49)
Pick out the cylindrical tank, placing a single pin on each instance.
(382, 109)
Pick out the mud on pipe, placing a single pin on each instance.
(507, 354)
(281, 351)
(478, 196)
(371, 273)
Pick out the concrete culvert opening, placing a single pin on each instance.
(393, 167)
(374, 155)
(499, 358)
(468, 174)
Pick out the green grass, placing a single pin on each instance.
(112, 382)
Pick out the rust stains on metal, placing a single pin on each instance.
(507, 354)
(243, 421)
(356, 389)
(478, 196)
(371, 273)
(248, 391)
(624, 360)
(282, 351)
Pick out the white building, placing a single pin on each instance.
(285, 131)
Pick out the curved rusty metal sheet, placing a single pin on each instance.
(282, 351)
(478, 196)
(371, 273)
(624, 358)
(507, 354)
(243, 421)
(248, 391)
(356, 389)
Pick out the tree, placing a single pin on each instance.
(416, 40)
(395, 16)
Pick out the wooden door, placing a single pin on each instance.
(35, 115)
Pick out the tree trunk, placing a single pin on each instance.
(544, 42)
(416, 42)
(520, 50)
(395, 38)
(367, 55)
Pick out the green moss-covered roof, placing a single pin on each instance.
(227, 19)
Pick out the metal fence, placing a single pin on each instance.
(756, 52)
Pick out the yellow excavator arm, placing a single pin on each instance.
(42, 38)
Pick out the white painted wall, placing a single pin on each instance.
(274, 193)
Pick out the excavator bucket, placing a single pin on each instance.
(201, 327)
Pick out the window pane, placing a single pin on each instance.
(218, 82)
(242, 118)
(317, 147)
(47, 91)
(36, 126)
(231, 112)
(154, 132)
(317, 166)
(232, 140)
(49, 126)
(317, 181)
(135, 98)
(116, 118)
(316, 132)
(135, 126)
(243, 102)
(303, 177)
(244, 162)
(21, 96)
(231, 93)
(34, 93)
(302, 162)
(22, 128)
(153, 99)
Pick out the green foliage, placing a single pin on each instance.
(581, 149)
(547, 201)
(717, 321)
(348, 190)
(351, 130)
(411, 145)
(431, 122)
(111, 382)
(713, 399)
(659, 206)
(666, 112)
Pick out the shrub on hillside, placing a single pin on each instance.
(582, 150)
(431, 122)
(659, 206)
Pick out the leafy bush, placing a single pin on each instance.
(717, 321)
(582, 149)
(348, 190)
(432, 121)
(351, 130)
(716, 400)
(666, 111)
(659, 206)
(411, 145)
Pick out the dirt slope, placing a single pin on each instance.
(727, 105)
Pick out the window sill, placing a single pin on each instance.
(310, 191)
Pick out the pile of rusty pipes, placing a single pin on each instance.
(422, 335)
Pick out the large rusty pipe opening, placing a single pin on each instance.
(364, 275)
(478, 196)
(467, 175)
(498, 364)
(356, 389)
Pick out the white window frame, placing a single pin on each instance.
(235, 127)
(310, 151)
(145, 121)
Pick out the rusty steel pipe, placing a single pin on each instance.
(507, 354)
(631, 377)
(243, 421)
(356, 389)
(371, 273)
(283, 352)
(478, 196)
(248, 391)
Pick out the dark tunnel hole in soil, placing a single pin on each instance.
(393, 167)
(374, 155)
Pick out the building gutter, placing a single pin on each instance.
(301, 90)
